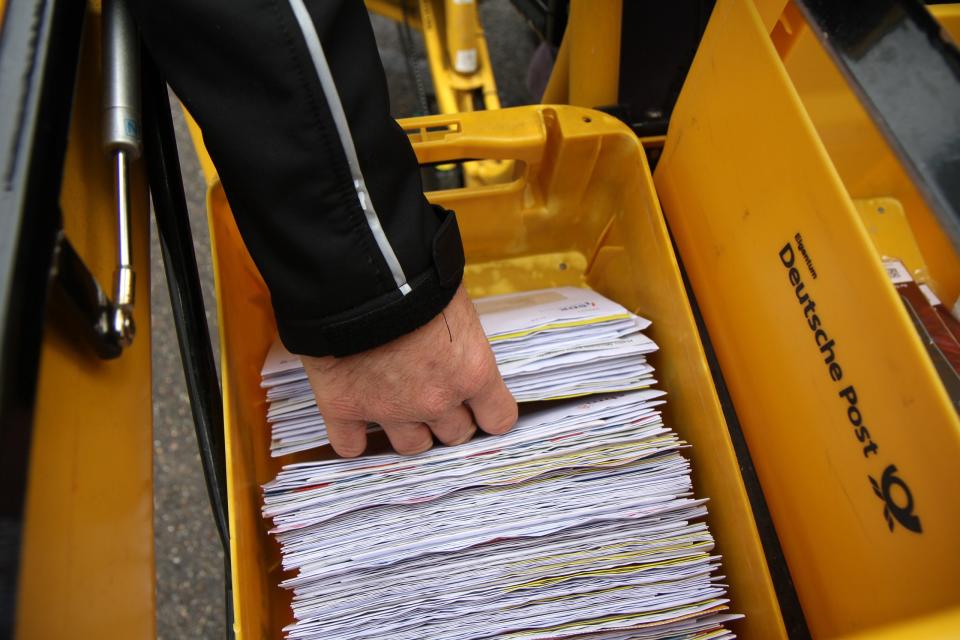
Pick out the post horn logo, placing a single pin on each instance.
(897, 505)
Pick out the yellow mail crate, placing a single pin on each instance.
(581, 211)
(852, 433)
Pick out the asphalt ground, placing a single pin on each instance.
(188, 556)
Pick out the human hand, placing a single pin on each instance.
(439, 380)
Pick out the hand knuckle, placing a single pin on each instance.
(336, 406)
(384, 410)
(476, 372)
(435, 401)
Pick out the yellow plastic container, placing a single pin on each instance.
(858, 150)
(582, 211)
(852, 434)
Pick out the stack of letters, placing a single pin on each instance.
(580, 522)
(549, 344)
(562, 343)
(295, 423)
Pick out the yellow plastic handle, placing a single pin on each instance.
(476, 136)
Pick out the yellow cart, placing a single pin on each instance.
(767, 148)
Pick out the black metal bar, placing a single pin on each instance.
(186, 298)
(80, 303)
(657, 44)
(907, 74)
(39, 49)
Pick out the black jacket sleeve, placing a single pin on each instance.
(292, 101)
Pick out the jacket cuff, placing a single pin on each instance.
(389, 316)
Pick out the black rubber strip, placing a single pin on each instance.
(186, 298)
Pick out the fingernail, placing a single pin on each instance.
(426, 446)
(467, 436)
